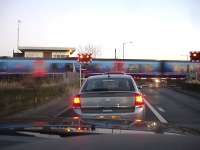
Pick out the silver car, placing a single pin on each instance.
(110, 96)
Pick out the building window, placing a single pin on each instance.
(33, 54)
(60, 56)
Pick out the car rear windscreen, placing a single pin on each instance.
(108, 84)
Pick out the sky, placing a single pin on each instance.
(166, 29)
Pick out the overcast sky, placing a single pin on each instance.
(158, 29)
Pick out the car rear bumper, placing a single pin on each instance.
(137, 114)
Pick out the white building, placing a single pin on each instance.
(46, 52)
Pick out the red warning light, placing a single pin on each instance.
(84, 57)
(194, 54)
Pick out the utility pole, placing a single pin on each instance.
(123, 44)
(80, 74)
(18, 26)
(123, 50)
(115, 53)
(13, 52)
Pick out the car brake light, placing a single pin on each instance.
(76, 101)
(138, 99)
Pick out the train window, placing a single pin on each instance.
(68, 67)
(3, 66)
(54, 67)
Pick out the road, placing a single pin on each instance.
(175, 107)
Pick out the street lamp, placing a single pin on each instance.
(188, 68)
(187, 57)
(18, 25)
(124, 46)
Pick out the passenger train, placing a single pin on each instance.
(137, 68)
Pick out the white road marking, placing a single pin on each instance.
(160, 118)
(160, 109)
(168, 133)
(60, 113)
(118, 131)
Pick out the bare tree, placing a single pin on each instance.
(94, 50)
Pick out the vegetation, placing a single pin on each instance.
(32, 92)
(191, 86)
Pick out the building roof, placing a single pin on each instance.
(30, 48)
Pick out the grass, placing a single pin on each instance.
(191, 85)
(29, 93)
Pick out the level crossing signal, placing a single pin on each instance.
(84, 57)
(195, 56)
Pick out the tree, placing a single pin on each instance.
(94, 50)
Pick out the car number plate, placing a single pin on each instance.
(107, 110)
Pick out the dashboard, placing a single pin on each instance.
(102, 141)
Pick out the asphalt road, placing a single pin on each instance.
(175, 107)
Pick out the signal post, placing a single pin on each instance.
(83, 58)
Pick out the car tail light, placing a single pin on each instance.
(77, 102)
(139, 101)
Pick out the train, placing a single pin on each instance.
(136, 67)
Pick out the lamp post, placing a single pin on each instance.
(18, 27)
(188, 68)
(123, 44)
(187, 56)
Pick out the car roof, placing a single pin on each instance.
(110, 76)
